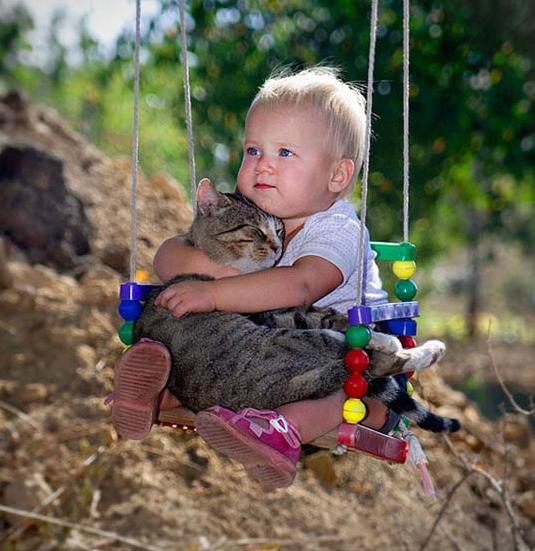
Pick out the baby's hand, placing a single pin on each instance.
(187, 297)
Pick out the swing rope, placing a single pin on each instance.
(366, 165)
(187, 102)
(135, 149)
(135, 133)
(367, 142)
(406, 91)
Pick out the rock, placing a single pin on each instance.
(37, 211)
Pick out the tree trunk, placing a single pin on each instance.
(474, 276)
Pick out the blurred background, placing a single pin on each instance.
(64, 246)
(472, 120)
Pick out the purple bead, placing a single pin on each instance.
(391, 311)
(360, 315)
(135, 291)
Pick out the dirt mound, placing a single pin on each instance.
(59, 455)
(65, 204)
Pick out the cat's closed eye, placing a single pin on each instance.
(259, 233)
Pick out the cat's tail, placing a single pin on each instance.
(396, 398)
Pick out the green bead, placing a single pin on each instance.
(405, 289)
(126, 333)
(358, 336)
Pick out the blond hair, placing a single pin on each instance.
(341, 103)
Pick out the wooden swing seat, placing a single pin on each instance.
(363, 439)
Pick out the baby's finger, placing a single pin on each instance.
(172, 303)
(179, 309)
(164, 297)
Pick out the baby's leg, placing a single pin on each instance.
(314, 418)
(140, 378)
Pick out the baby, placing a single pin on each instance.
(303, 149)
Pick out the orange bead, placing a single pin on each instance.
(356, 386)
(356, 360)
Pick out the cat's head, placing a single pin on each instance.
(233, 231)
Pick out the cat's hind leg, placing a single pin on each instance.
(389, 392)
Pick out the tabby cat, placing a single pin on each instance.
(268, 359)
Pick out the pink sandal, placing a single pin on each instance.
(269, 455)
(140, 377)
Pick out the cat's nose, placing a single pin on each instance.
(275, 247)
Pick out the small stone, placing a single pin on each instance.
(518, 432)
(86, 355)
(321, 464)
(526, 503)
(33, 392)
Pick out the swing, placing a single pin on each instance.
(395, 318)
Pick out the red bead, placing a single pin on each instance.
(407, 342)
(356, 386)
(409, 374)
(356, 360)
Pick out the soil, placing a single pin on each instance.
(59, 276)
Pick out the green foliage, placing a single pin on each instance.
(472, 94)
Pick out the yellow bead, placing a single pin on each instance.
(354, 411)
(404, 269)
(142, 276)
(410, 388)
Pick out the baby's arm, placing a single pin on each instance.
(303, 283)
(174, 257)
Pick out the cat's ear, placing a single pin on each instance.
(209, 200)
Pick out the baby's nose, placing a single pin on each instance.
(264, 165)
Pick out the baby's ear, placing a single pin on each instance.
(342, 175)
(209, 200)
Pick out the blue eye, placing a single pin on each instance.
(252, 151)
(285, 152)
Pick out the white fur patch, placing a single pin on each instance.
(334, 334)
(384, 343)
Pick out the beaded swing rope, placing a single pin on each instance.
(395, 318)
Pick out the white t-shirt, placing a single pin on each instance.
(334, 235)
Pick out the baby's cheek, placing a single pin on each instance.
(242, 188)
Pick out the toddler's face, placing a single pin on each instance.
(287, 163)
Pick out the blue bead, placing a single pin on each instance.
(402, 326)
(130, 309)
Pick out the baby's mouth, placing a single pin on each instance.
(262, 185)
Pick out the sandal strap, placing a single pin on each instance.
(276, 421)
